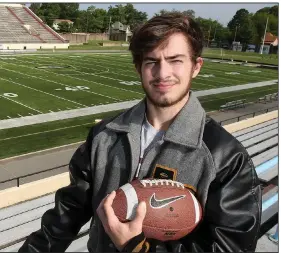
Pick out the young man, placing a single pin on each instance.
(166, 132)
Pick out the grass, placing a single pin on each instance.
(35, 137)
(213, 102)
(36, 84)
(50, 83)
(217, 53)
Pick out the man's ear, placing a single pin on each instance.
(197, 67)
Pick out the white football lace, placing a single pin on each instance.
(152, 182)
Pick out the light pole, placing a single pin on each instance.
(264, 36)
(235, 33)
(209, 36)
(109, 27)
(215, 32)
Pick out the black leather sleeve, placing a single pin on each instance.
(233, 211)
(72, 210)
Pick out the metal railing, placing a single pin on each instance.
(31, 174)
(252, 113)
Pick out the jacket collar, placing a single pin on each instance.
(187, 128)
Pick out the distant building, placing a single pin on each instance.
(270, 44)
(118, 31)
(58, 21)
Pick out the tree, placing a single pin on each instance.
(69, 11)
(127, 15)
(259, 20)
(35, 7)
(64, 27)
(242, 27)
(189, 13)
(50, 12)
(274, 10)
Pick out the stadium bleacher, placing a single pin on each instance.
(18, 24)
(11, 30)
(259, 135)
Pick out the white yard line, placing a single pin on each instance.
(109, 63)
(20, 104)
(232, 76)
(82, 80)
(53, 130)
(38, 90)
(85, 80)
(51, 81)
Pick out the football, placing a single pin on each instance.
(172, 211)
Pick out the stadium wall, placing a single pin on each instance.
(80, 38)
(24, 46)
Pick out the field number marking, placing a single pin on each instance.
(75, 88)
(205, 75)
(131, 82)
(232, 73)
(10, 95)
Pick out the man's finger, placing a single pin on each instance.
(140, 213)
(108, 210)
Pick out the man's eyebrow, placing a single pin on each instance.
(149, 58)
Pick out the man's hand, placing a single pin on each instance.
(120, 233)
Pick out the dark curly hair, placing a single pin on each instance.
(155, 32)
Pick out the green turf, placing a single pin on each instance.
(240, 56)
(35, 137)
(213, 102)
(82, 80)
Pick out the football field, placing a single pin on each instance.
(39, 84)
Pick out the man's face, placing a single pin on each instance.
(167, 72)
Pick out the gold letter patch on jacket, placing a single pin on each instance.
(163, 172)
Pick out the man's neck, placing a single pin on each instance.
(162, 117)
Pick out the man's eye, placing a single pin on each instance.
(150, 62)
(176, 61)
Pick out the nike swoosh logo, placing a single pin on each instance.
(159, 203)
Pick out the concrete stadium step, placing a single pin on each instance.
(18, 221)
(263, 146)
(269, 174)
(24, 218)
(253, 128)
(266, 166)
(270, 208)
(26, 206)
(257, 132)
(265, 156)
(8, 237)
(78, 245)
(262, 137)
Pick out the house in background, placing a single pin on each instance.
(270, 44)
(58, 21)
(118, 31)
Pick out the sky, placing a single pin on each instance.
(222, 12)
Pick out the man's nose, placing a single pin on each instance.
(163, 70)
